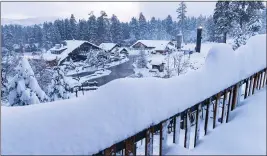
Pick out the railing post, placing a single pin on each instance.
(163, 137)
(229, 103)
(254, 84)
(176, 132)
(260, 80)
(218, 96)
(130, 148)
(246, 90)
(110, 151)
(149, 142)
(235, 96)
(264, 80)
(197, 126)
(207, 116)
(223, 108)
(250, 85)
(188, 128)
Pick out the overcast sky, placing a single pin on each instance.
(124, 10)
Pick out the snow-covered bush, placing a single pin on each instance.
(42, 74)
(24, 88)
(142, 61)
(58, 89)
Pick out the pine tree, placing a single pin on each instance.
(153, 28)
(92, 29)
(73, 27)
(58, 89)
(143, 26)
(101, 27)
(67, 29)
(182, 16)
(82, 30)
(223, 18)
(24, 88)
(169, 25)
(135, 33)
(115, 30)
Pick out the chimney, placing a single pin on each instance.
(199, 37)
(179, 41)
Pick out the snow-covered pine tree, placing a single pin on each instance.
(181, 11)
(24, 88)
(101, 27)
(73, 27)
(169, 25)
(116, 29)
(91, 59)
(143, 26)
(142, 61)
(92, 28)
(223, 18)
(58, 89)
(153, 28)
(135, 31)
(43, 75)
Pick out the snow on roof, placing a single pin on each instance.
(80, 126)
(71, 45)
(157, 59)
(157, 44)
(107, 46)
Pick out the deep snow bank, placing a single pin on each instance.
(123, 107)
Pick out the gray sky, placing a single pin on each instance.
(124, 10)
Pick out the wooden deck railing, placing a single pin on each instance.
(227, 98)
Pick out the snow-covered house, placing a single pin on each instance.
(156, 46)
(74, 49)
(108, 46)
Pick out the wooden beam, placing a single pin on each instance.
(207, 116)
(223, 107)
(149, 142)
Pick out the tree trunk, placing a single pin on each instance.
(224, 37)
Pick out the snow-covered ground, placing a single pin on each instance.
(74, 82)
(81, 69)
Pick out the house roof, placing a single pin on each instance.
(157, 44)
(107, 46)
(70, 46)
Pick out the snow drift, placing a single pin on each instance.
(123, 107)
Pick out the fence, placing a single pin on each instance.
(226, 99)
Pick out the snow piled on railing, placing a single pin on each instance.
(123, 107)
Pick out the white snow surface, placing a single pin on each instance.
(94, 122)
(156, 44)
(107, 46)
(245, 134)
